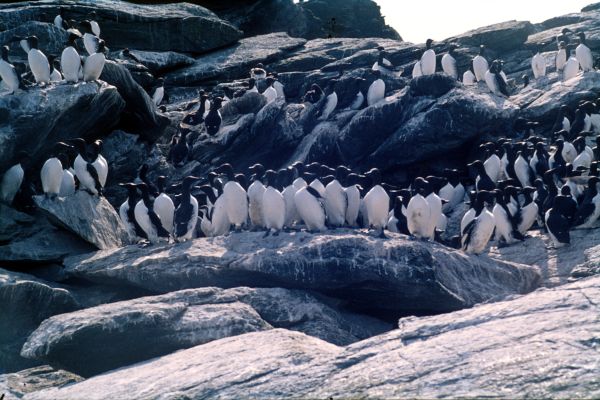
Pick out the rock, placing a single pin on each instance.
(519, 348)
(161, 62)
(61, 112)
(166, 27)
(91, 218)
(16, 385)
(431, 128)
(25, 302)
(500, 37)
(51, 38)
(382, 277)
(235, 61)
(119, 334)
(591, 7)
(557, 266)
(140, 114)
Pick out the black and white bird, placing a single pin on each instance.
(147, 218)
(127, 213)
(428, 59)
(51, 176)
(273, 205)
(255, 196)
(418, 212)
(86, 172)
(212, 120)
(38, 62)
(376, 90)
(236, 198)
(449, 62)
(13, 179)
(557, 221)
(584, 54)
(331, 101)
(70, 61)
(270, 93)
(477, 233)
(94, 63)
(159, 92)
(538, 63)
(336, 202)
(180, 149)
(8, 73)
(164, 206)
(67, 184)
(480, 65)
(588, 211)
(382, 64)
(495, 79)
(562, 55)
(186, 214)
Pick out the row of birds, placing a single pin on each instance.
(72, 67)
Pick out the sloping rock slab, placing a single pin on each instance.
(501, 37)
(235, 61)
(543, 345)
(110, 336)
(18, 384)
(89, 217)
(37, 118)
(167, 27)
(25, 301)
(396, 276)
(159, 62)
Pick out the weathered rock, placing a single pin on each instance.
(31, 239)
(392, 277)
(160, 62)
(25, 302)
(110, 336)
(501, 37)
(61, 111)
(540, 345)
(235, 61)
(16, 385)
(140, 114)
(166, 27)
(51, 38)
(557, 266)
(91, 218)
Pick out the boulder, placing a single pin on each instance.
(518, 348)
(62, 112)
(382, 277)
(91, 218)
(119, 334)
(140, 114)
(235, 61)
(51, 38)
(165, 27)
(161, 61)
(16, 385)
(500, 37)
(25, 302)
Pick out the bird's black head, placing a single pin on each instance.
(33, 41)
(428, 43)
(4, 53)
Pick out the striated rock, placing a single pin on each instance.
(16, 385)
(61, 111)
(387, 277)
(500, 37)
(25, 302)
(166, 27)
(140, 114)
(160, 62)
(119, 334)
(30, 239)
(519, 348)
(235, 61)
(91, 218)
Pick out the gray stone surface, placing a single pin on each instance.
(160, 62)
(395, 276)
(90, 217)
(167, 27)
(61, 112)
(110, 336)
(542, 345)
(16, 385)
(26, 301)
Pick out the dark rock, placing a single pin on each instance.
(25, 302)
(235, 61)
(519, 348)
(391, 277)
(166, 27)
(31, 380)
(140, 114)
(160, 62)
(27, 240)
(91, 218)
(435, 85)
(51, 38)
(110, 336)
(500, 37)
(591, 7)
(61, 112)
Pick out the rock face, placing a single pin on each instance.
(62, 112)
(392, 277)
(32, 239)
(25, 302)
(91, 218)
(15, 386)
(119, 334)
(504, 36)
(160, 62)
(235, 61)
(167, 27)
(518, 348)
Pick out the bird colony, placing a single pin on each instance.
(512, 186)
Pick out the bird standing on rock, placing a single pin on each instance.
(213, 119)
(8, 73)
(428, 59)
(449, 62)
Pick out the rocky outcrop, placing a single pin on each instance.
(235, 61)
(518, 348)
(16, 385)
(110, 336)
(167, 27)
(501, 37)
(388, 277)
(62, 112)
(32, 239)
(25, 302)
(160, 62)
(91, 218)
